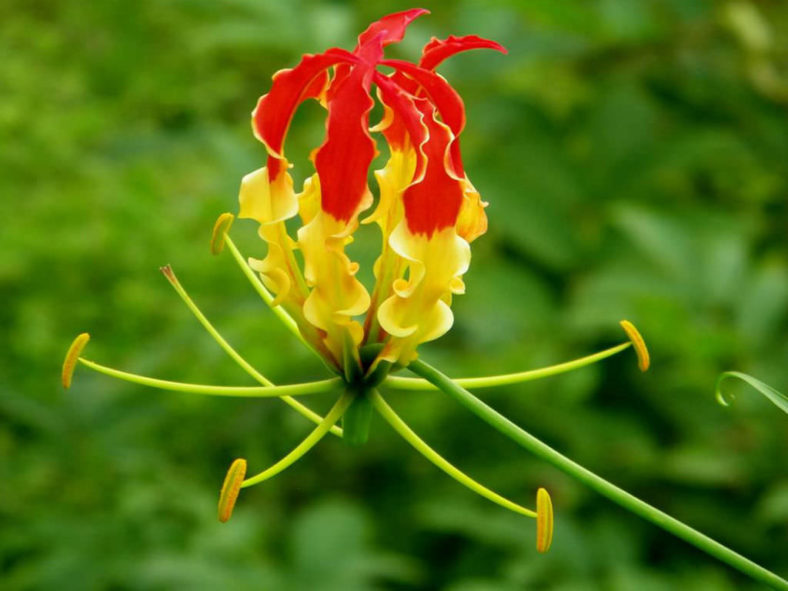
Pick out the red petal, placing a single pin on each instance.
(443, 97)
(407, 122)
(438, 50)
(274, 111)
(440, 93)
(342, 162)
(434, 203)
(392, 26)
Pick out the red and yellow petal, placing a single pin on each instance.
(434, 202)
(274, 111)
(403, 126)
(441, 94)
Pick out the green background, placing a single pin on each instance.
(634, 157)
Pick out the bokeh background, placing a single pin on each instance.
(634, 157)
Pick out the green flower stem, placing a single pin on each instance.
(286, 319)
(509, 378)
(421, 446)
(311, 440)
(253, 391)
(600, 485)
(245, 365)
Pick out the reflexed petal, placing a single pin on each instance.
(440, 92)
(437, 50)
(274, 111)
(445, 99)
(392, 26)
(403, 126)
(344, 158)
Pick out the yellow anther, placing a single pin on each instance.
(544, 521)
(638, 343)
(231, 488)
(70, 362)
(220, 228)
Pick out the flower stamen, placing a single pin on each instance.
(318, 387)
(644, 360)
(393, 419)
(308, 443)
(72, 356)
(230, 489)
(402, 383)
(245, 365)
(544, 521)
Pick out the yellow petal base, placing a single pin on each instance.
(419, 309)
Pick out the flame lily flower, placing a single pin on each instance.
(428, 213)
(428, 210)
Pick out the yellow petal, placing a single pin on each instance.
(472, 221)
(335, 296)
(418, 310)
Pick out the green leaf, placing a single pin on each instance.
(777, 398)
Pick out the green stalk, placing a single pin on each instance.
(253, 391)
(600, 485)
(509, 378)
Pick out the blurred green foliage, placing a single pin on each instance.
(634, 157)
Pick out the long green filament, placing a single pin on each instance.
(245, 365)
(597, 483)
(246, 391)
(421, 446)
(311, 440)
(286, 319)
(509, 378)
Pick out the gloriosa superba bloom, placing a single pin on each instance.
(428, 213)
(427, 210)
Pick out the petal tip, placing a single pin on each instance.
(72, 356)
(230, 489)
(644, 359)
